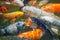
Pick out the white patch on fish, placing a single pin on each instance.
(12, 28)
(49, 19)
(55, 30)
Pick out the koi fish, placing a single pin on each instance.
(12, 28)
(18, 2)
(44, 25)
(3, 8)
(15, 2)
(30, 2)
(33, 3)
(35, 34)
(53, 7)
(30, 24)
(12, 15)
(36, 4)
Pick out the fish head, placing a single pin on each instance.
(3, 8)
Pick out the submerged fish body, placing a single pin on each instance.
(51, 20)
(18, 2)
(3, 8)
(13, 28)
(14, 2)
(35, 34)
(52, 7)
(13, 15)
(35, 11)
(42, 3)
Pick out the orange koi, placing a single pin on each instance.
(35, 34)
(3, 8)
(28, 22)
(35, 4)
(51, 7)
